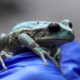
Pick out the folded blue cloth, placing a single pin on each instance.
(29, 66)
(70, 61)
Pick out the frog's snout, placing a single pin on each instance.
(53, 28)
(71, 36)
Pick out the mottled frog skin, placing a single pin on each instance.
(43, 37)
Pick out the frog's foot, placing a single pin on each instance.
(7, 55)
(46, 63)
(3, 64)
(4, 54)
(10, 55)
(44, 59)
(41, 53)
(5, 68)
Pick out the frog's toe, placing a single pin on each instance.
(46, 63)
(9, 56)
(5, 69)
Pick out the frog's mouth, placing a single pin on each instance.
(53, 38)
(54, 41)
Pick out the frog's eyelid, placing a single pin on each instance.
(67, 23)
(65, 27)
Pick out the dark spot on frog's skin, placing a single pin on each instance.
(39, 30)
(14, 34)
(14, 41)
(11, 43)
(40, 33)
(37, 22)
(23, 31)
(16, 38)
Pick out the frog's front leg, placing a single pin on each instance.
(29, 42)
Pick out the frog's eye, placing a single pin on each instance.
(70, 24)
(54, 28)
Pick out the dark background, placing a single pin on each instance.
(16, 11)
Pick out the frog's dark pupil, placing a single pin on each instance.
(53, 28)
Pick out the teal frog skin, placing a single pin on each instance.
(42, 37)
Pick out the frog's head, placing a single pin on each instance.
(58, 34)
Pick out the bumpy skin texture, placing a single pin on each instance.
(42, 37)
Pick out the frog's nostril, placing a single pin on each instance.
(70, 24)
(53, 28)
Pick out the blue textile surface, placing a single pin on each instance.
(29, 66)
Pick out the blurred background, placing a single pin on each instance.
(16, 11)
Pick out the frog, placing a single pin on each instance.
(44, 38)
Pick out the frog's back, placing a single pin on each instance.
(29, 25)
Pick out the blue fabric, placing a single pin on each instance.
(70, 61)
(29, 66)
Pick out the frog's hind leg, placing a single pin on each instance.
(29, 42)
(5, 54)
(3, 48)
(3, 64)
